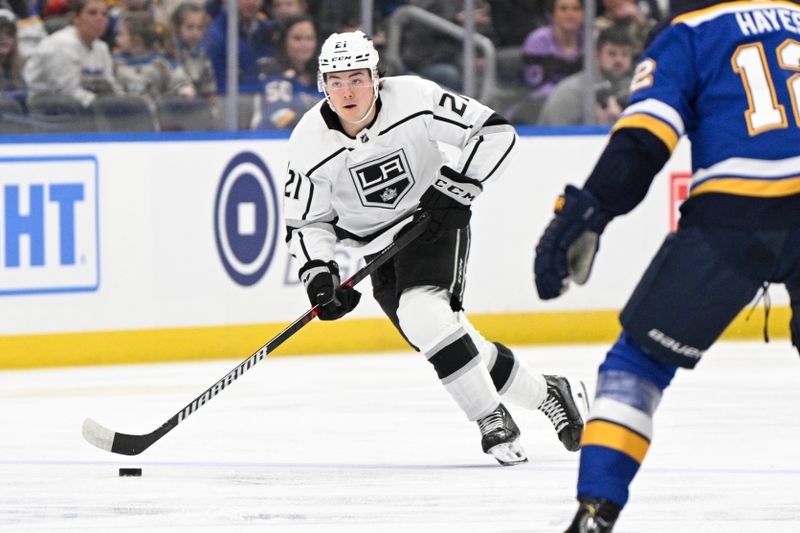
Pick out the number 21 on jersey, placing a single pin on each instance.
(764, 112)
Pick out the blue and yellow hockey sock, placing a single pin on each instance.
(620, 427)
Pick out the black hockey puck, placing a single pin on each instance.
(130, 472)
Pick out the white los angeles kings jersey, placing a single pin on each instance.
(361, 190)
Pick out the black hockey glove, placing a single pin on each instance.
(448, 201)
(567, 248)
(321, 279)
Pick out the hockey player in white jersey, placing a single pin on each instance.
(362, 163)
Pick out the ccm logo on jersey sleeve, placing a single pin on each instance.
(49, 238)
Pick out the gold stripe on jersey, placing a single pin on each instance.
(731, 7)
(657, 127)
(616, 437)
(761, 188)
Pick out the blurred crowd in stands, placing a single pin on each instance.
(161, 65)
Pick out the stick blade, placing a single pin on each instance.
(122, 443)
(98, 435)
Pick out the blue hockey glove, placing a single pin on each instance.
(321, 280)
(567, 248)
(448, 201)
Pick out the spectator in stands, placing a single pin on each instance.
(333, 16)
(139, 68)
(115, 13)
(281, 10)
(555, 51)
(653, 8)
(74, 61)
(11, 83)
(550, 54)
(628, 15)
(185, 49)
(55, 14)
(30, 28)
(164, 9)
(337, 16)
(255, 43)
(564, 106)
(514, 20)
(481, 17)
(289, 89)
(432, 54)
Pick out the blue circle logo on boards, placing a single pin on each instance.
(246, 218)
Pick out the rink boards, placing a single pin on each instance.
(134, 248)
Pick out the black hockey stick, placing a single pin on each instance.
(125, 444)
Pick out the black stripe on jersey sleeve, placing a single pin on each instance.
(310, 196)
(474, 151)
(289, 231)
(496, 120)
(406, 119)
(508, 150)
(303, 246)
(453, 122)
(334, 154)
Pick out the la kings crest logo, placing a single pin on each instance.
(383, 182)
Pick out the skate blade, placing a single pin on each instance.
(581, 398)
(508, 453)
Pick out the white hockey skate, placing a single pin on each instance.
(500, 437)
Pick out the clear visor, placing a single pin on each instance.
(337, 85)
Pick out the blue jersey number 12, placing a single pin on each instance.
(764, 112)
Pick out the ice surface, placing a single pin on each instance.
(373, 443)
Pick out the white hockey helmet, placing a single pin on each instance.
(345, 51)
(351, 50)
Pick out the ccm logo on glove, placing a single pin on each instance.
(448, 202)
(463, 193)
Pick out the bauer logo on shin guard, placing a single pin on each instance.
(49, 234)
(673, 345)
(246, 218)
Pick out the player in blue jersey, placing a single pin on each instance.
(728, 76)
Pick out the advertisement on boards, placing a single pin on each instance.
(49, 224)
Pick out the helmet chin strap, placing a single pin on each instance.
(362, 119)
